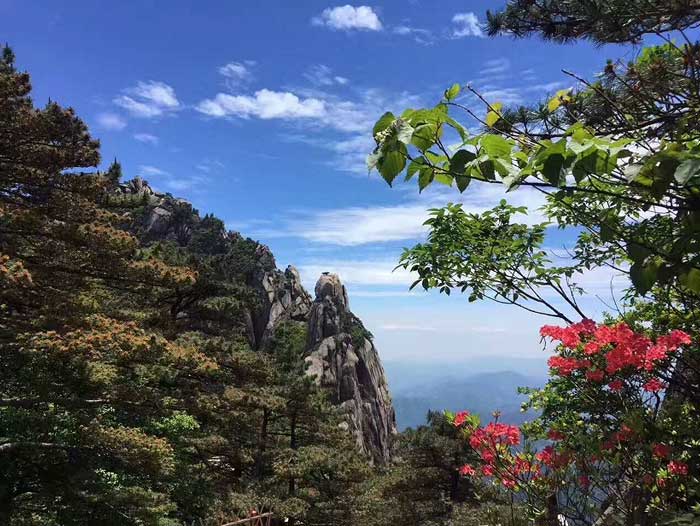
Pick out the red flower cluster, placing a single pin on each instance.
(569, 336)
(460, 418)
(611, 349)
(553, 434)
(661, 450)
(493, 435)
(467, 470)
(566, 366)
(654, 385)
(677, 468)
(550, 457)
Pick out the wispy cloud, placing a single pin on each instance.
(148, 99)
(348, 18)
(308, 111)
(237, 73)
(466, 25)
(495, 66)
(111, 121)
(420, 35)
(546, 87)
(146, 138)
(355, 226)
(168, 181)
(365, 272)
(322, 76)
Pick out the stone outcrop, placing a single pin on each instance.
(340, 353)
(344, 360)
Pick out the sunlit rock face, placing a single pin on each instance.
(344, 360)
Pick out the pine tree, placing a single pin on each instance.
(81, 389)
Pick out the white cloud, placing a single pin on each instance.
(347, 18)
(546, 87)
(237, 73)
(321, 75)
(466, 24)
(495, 66)
(111, 121)
(506, 96)
(146, 138)
(148, 99)
(149, 171)
(264, 104)
(365, 272)
(170, 181)
(422, 36)
(355, 226)
(359, 226)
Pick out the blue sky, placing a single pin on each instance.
(260, 112)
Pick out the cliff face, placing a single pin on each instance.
(340, 353)
(344, 360)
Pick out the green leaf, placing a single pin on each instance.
(391, 165)
(451, 94)
(383, 123)
(687, 170)
(644, 276)
(637, 253)
(425, 178)
(495, 145)
(691, 280)
(444, 179)
(462, 182)
(459, 161)
(414, 166)
(424, 136)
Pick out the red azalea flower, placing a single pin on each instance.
(508, 483)
(677, 468)
(546, 456)
(661, 450)
(595, 376)
(616, 385)
(467, 470)
(592, 348)
(487, 470)
(654, 385)
(553, 434)
(584, 481)
(460, 418)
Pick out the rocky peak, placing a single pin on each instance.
(343, 359)
(340, 353)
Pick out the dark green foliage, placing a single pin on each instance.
(599, 20)
(129, 391)
(423, 486)
(114, 174)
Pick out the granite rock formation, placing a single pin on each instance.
(340, 353)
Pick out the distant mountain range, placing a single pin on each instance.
(481, 393)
